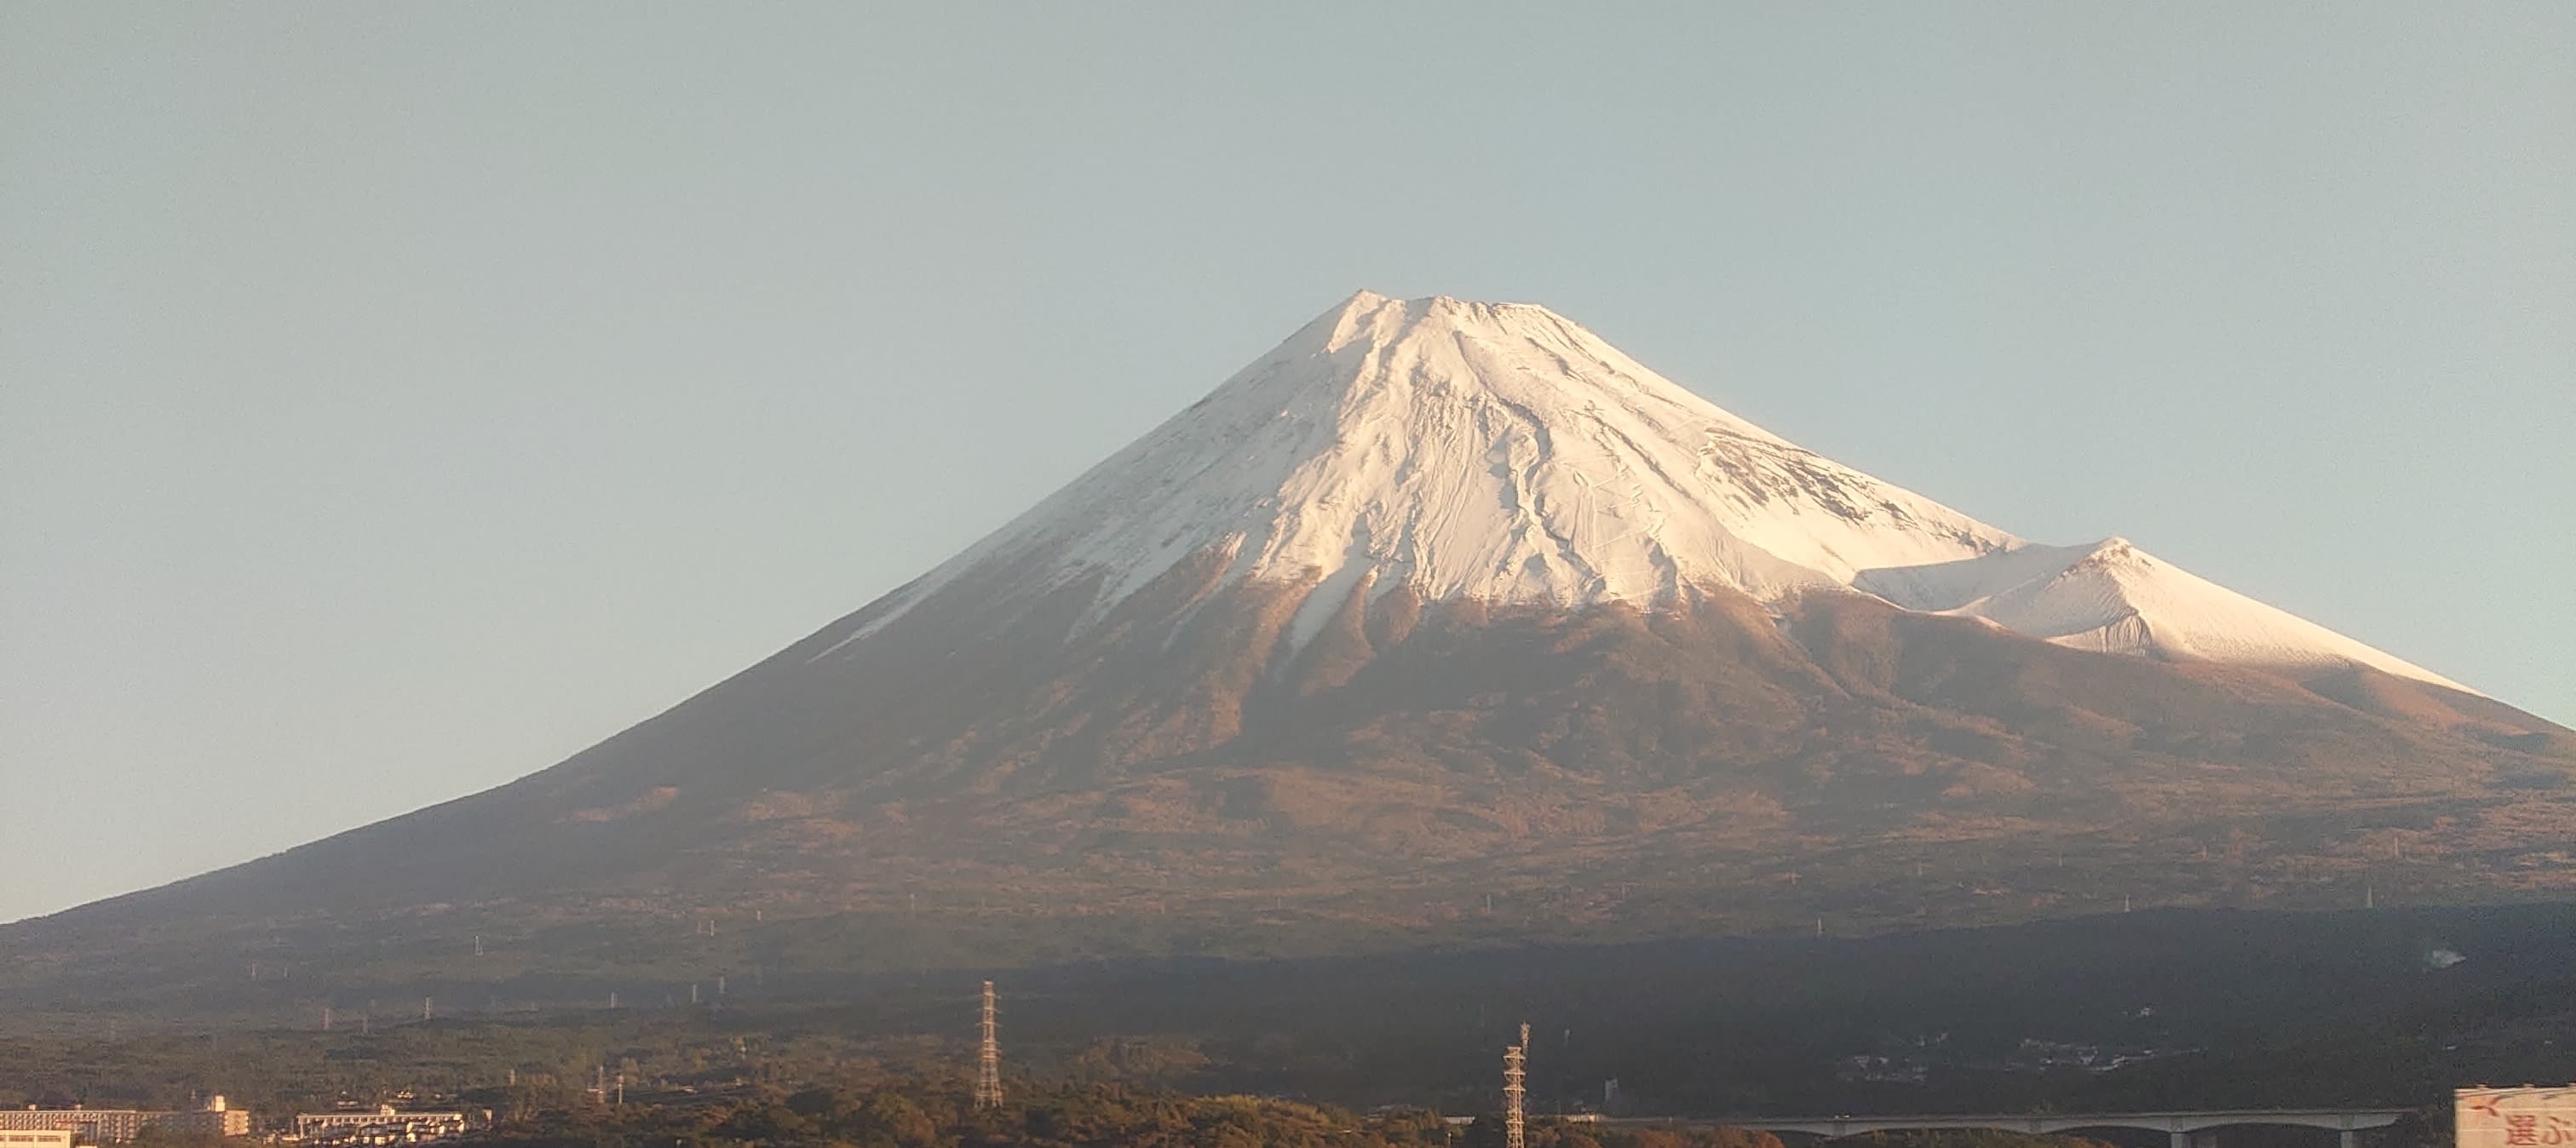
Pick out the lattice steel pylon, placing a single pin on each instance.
(1515, 1074)
(988, 1063)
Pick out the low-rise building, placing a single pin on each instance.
(119, 1125)
(217, 1118)
(91, 1125)
(385, 1125)
(38, 1138)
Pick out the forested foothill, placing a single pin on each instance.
(2142, 1011)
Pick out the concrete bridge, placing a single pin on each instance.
(2196, 1129)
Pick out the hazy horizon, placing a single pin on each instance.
(404, 398)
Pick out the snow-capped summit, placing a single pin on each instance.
(1501, 452)
(1496, 451)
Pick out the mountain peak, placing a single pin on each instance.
(1462, 449)
(2113, 597)
(1370, 321)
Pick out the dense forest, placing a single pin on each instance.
(2129, 1012)
(927, 1114)
(1062, 1117)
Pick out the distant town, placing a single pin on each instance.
(34, 1127)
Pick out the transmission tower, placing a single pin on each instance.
(988, 1064)
(1515, 1071)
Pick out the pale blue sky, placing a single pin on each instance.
(395, 399)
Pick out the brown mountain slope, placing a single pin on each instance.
(1179, 757)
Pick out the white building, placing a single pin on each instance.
(118, 1125)
(385, 1125)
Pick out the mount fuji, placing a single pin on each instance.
(1436, 604)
